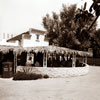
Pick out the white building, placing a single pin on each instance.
(31, 38)
(4, 37)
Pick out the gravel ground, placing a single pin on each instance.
(74, 88)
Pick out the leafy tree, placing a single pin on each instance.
(69, 28)
(95, 41)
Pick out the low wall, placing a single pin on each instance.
(56, 72)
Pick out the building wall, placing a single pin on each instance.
(29, 39)
(33, 41)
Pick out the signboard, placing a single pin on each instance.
(5, 69)
(30, 58)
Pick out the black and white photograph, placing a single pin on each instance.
(49, 49)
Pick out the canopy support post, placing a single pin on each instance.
(74, 60)
(86, 59)
(45, 59)
(15, 62)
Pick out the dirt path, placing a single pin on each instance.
(73, 88)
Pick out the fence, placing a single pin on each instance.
(93, 61)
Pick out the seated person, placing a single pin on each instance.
(37, 64)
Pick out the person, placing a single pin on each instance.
(37, 64)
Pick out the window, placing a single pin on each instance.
(37, 37)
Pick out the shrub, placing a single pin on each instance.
(45, 76)
(19, 76)
(35, 76)
(28, 76)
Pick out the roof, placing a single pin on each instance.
(31, 30)
(48, 49)
(17, 37)
(5, 49)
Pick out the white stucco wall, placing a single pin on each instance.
(56, 72)
(3, 42)
(33, 41)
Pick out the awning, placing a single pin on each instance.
(47, 49)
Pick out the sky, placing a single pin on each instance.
(17, 16)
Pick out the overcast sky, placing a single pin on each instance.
(17, 16)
